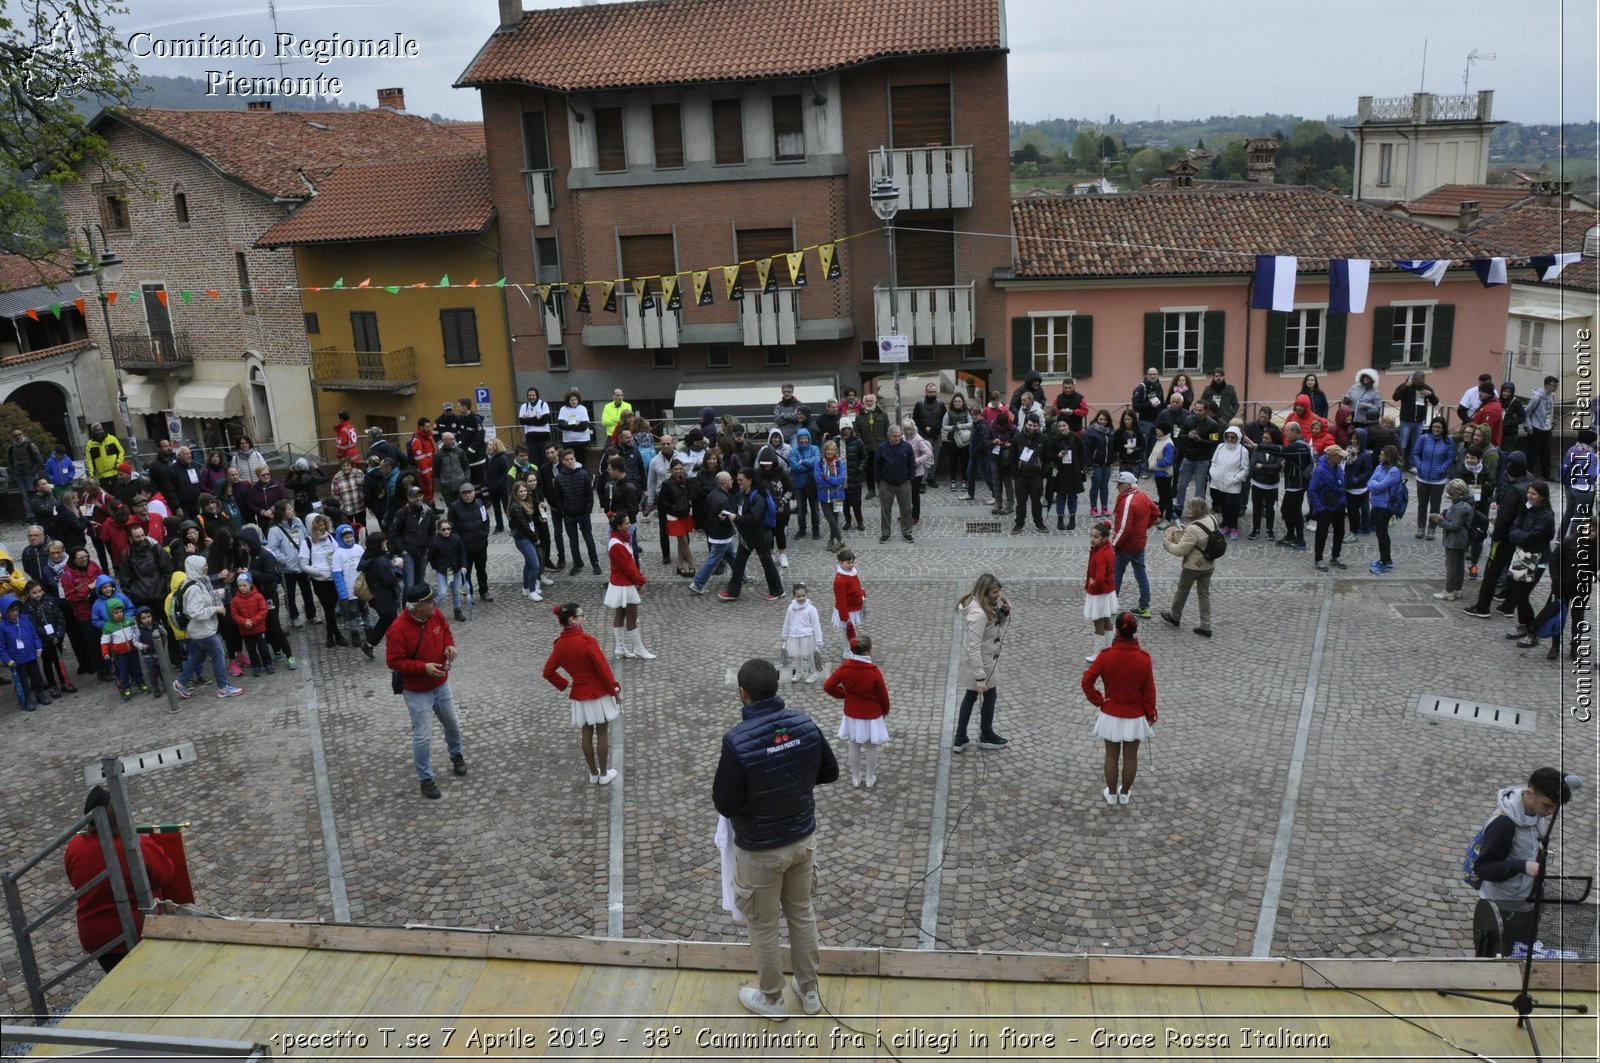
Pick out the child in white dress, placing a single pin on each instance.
(802, 636)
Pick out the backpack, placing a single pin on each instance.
(1399, 499)
(180, 615)
(770, 517)
(1469, 863)
(1216, 544)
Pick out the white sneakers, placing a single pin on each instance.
(756, 1001)
(1110, 797)
(606, 779)
(1122, 796)
(783, 560)
(855, 780)
(810, 1003)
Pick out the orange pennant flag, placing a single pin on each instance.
(79, 304)
(473, 283)
(213, 293)
(366, 283)
(161, 293)
(111, 298)
(33, 314)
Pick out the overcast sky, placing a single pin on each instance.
(1069, 58)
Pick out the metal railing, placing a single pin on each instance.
(394, 370)
(936, 316)
(769, 319)
(541, 185)
(935, 178)
(159, 351)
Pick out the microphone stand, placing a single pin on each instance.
(1524, 1003)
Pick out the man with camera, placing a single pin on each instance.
(419, 652)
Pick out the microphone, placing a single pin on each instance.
(1574, 782)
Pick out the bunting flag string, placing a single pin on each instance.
(583, 299)
(702, 287)
(670, 294)
(1490, 271)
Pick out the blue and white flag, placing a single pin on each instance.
(1274, 283)
(1432, 269)
(1490, 271)
(1549, 267)
(1347, 285)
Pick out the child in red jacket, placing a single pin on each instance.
(849, 600)
(859, 684)
(1100, 587)
(248, 610)
(622, 592)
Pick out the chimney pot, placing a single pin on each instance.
(395, 98)
(510, 13)
(1469, 212)
(260, 105)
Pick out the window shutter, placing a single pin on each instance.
(1277, 338)
(452, 339)
(467, 327)
(1215, 324)
(610, 143)
(1335, 327)
(1444, 327)
(1021, 347)
(1382, 337)
(1154, 323)
(1082, 346)
(666, 126)
(727, 131)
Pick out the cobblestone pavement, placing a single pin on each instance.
(1033, 858)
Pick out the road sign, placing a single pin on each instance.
(893, 349)
(481, 397)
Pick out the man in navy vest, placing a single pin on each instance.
(770, 763)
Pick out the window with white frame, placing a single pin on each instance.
(1409, 337)
(1530, 343)
(1052, 344)
(1385, 164)
(1302, 340)
(1180, 348)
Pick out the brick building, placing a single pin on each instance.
(663, 138)
(236, 361)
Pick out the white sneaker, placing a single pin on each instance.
(607, 778)
(1122, 797)
(1091, 657)
(783, 560)
(535, 596)
(812, 678)
(810, 1003)
(855, 780)
(525, 593)
(872, 780)
(794, 675)
(1110, 797)
(594, 780)
(755, 1000)
(546, 580)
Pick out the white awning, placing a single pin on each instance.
(144, 394)
(734, 395)
(208, 400)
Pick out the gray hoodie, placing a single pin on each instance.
(1365, 398)
(200, 601)
(1526, 829)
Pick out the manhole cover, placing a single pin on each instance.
(983, 527)
(1438, 706)
(1419, 612)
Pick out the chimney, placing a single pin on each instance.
(259, 105)
(1261, 160)
(1468, 216)
(395, 98)
(510, 13)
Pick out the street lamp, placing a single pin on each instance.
(886, 204)
(91, 278)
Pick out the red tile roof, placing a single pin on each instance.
(1445, 201)
(1529, 229)
(674, 42)
(268, 150)
(1200, 231)
(473, 131)
(17, 272)
(392, 201)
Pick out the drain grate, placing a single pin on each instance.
(983, 527)
(139, 763)
(1438, 706)
(1418, 612)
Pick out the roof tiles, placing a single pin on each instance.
(1446, 200)
(1199, 231)
(1529, 229)
(391, 201)
(673, 42)
(17, 272)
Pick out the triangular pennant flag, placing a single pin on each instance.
(444, 281)
(473, 283)
(797, 268)
(730, 280)
(830, 261)
(213, 293)
(543, 292)
(366, 283)
(640, 287)
(161, 294)
(670, 295)
(339, 283)
(1274, 287)
(702, 287)
(648, 300)
(1549, 267)
(133, 297)
(111, 298)
(1427, 268)
(764, 278)
(583, 299)
(79, 303)
(1490, 271)
(55, 308)
(501, 283)
(392, 289)
(608, 296)
(33, 314)
(1347, 285)
(185, 294)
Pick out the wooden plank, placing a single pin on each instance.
(619, 1003)
(327, 994)
(229, 931)
(1021, 1020)
(988, 966)
(1178, 1005)
(1177, 970)
(1412, 974)
(615, 951)
(134, 997)
(399, 940)
(1129, 1031)
(226, 994)
(417, 996)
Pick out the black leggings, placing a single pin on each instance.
(1227, 503)
(1334, 520)
(1262, 502)
(1380, 528)
(1294, 515)
(328, 597)
(291, 581)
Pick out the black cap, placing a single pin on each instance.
(99, 797)
(418, 593)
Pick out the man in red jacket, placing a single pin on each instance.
(1490, 412)
(420, 650)
(1132, 515)
(344, 438)
(98, 921)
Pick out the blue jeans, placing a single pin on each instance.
(1137, 561)
(1579, 504)
(1197, 471)
(127, 668)
(1066, 503)
(1100, 487)
(448, 583)
(412, 567)
(985, 715)
(530, 563)
(423, 706)
(719, 551)
(1408, 438)
(978, 465)
(199, 650)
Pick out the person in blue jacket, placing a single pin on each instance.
(1383, 488)
(830, 473)
(1432, 456)
(1326, 495)
(803, 457)
(59, 468)
(105, 592)
(22, 651)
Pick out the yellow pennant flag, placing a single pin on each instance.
(702, 287)
(797, 268)
(830, 261)
(543, 292)
(670, 294)
(764, 279)
(640, 287)
(608, 292)
(730, 278)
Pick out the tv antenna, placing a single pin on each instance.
(1474, 56)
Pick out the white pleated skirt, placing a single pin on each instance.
(617, 596)
(1122, 729)
(596, 710)
(863, 732)
(1100, 606)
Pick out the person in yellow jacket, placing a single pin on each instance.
(178, 643)
(611, 414)
(102, 455)
(13, 580)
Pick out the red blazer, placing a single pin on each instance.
(624, 570)
(1102, 576)
(588, 676)
(848, 597)
(1129, 680)
(861, 686)
(97, 910)
(249, 612)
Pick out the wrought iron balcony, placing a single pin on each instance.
(929, 317)
(929, 178)
(389, 371)
(135, 350)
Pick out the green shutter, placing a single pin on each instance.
(1155, 324)
(1212, 332)
(1082, 346)
(1277, 337)
(1335, 327)
(1021, 347)
(1444, 327)
(1382, 337)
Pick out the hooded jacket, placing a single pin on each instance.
(1326, 493)
(97, 613)
(803, 455)
(249, 611)
(1230, 463)
(1302, 415)
(830, 479)
(120, 635)
(1101, 574)
(346, 562)
(1364, 397)
(859, 684)
(1510, 840)
(284, 541)
(200, 600)
(144, 572)
(1433, 455)
(1358, 465)
(21, 639)
(1384, 485)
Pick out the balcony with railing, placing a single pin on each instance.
(541, 186)
(928, 317)
(929, 178)
(393, 371)
(136, 350)
(653, 329)
(770, 320)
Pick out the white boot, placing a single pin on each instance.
(637, 641)
(619, 645)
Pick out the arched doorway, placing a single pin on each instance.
(46, 403)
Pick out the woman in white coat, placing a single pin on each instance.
(984, 612)
(1230, 468)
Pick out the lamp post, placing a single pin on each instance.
(886, 204)
(91, 277)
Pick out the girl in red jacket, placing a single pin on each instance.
(578, 668)
(866, 702)
(622, 595)
(1100, 588)
(848, 598)
(1128, 706)
(248, 609)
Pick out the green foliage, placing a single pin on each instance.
(1083, 149)
(13, 416)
